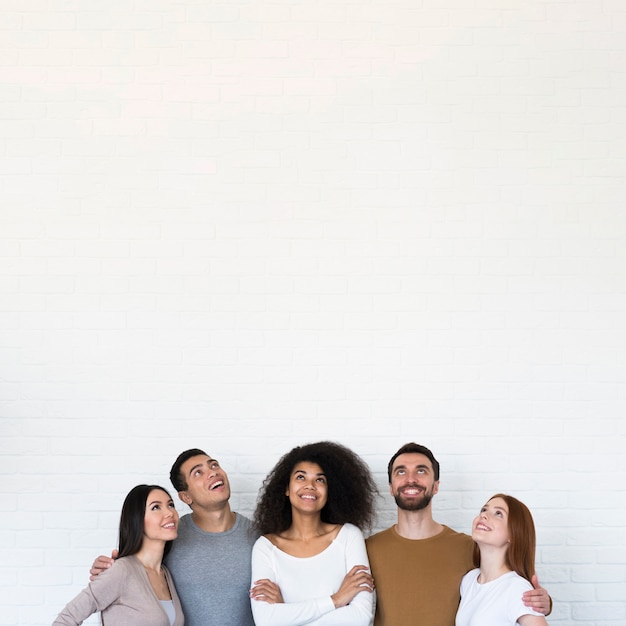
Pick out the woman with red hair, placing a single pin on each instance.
(504, 556)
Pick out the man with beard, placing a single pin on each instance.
(418, 563)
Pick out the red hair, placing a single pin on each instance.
(520, 555)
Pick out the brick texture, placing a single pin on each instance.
(248, 225)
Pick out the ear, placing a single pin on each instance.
(436, 487)
(185, 497)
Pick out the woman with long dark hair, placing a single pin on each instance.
(310, 566)
(504, 558)
(137, 589)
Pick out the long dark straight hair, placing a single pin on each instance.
(131, 529)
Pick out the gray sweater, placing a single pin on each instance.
(212, 573)
(124, 595)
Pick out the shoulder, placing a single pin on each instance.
(262, 544)
(470, 577)
(121, 570)
(242, 523)
(244, 531)
(448, 534)
(350, 530)
(349, 535)
(454, 545)
(383, 536)
(126, 564)
(514, 581)
(184, 524)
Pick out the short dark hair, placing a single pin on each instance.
(414, 448)
(132, 519)
(176, 477)
(351, 488)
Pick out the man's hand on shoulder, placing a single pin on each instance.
(102, 563)
(538, 598)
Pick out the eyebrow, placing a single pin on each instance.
(197, 465)
(419, 466)
(497, 508)
(301, 471)
(160, 501)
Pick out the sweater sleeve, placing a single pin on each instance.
(360, 612)
(319, 610)
(97, 596)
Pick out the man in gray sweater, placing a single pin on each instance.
(210, 559)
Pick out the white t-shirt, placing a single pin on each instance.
(496, 603)
(306, 584)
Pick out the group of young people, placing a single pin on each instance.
(304, 557)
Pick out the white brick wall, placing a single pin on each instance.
(247, 225)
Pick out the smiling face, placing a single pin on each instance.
(308, 488)
(413, 483)
(207, 483)
(161, 518)
(490, 526)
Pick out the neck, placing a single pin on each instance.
(417, 524)
(492, 563)
(214, 521)
(305, 527)
(151, 554)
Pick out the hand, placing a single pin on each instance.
(538, 598)
(102, 563)
(267, 591)
(357, 579)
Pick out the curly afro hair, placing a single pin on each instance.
(352, 490)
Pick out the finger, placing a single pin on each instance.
(256, 592)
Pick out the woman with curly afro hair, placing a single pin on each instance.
(310, 566)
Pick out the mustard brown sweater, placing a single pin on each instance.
(418, 580)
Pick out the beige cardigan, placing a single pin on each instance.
(124, 595)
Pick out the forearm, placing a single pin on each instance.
(291, 613)
(359, 612)
(77, 610)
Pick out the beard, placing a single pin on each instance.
(414, 504)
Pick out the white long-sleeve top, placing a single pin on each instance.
(307, 583)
